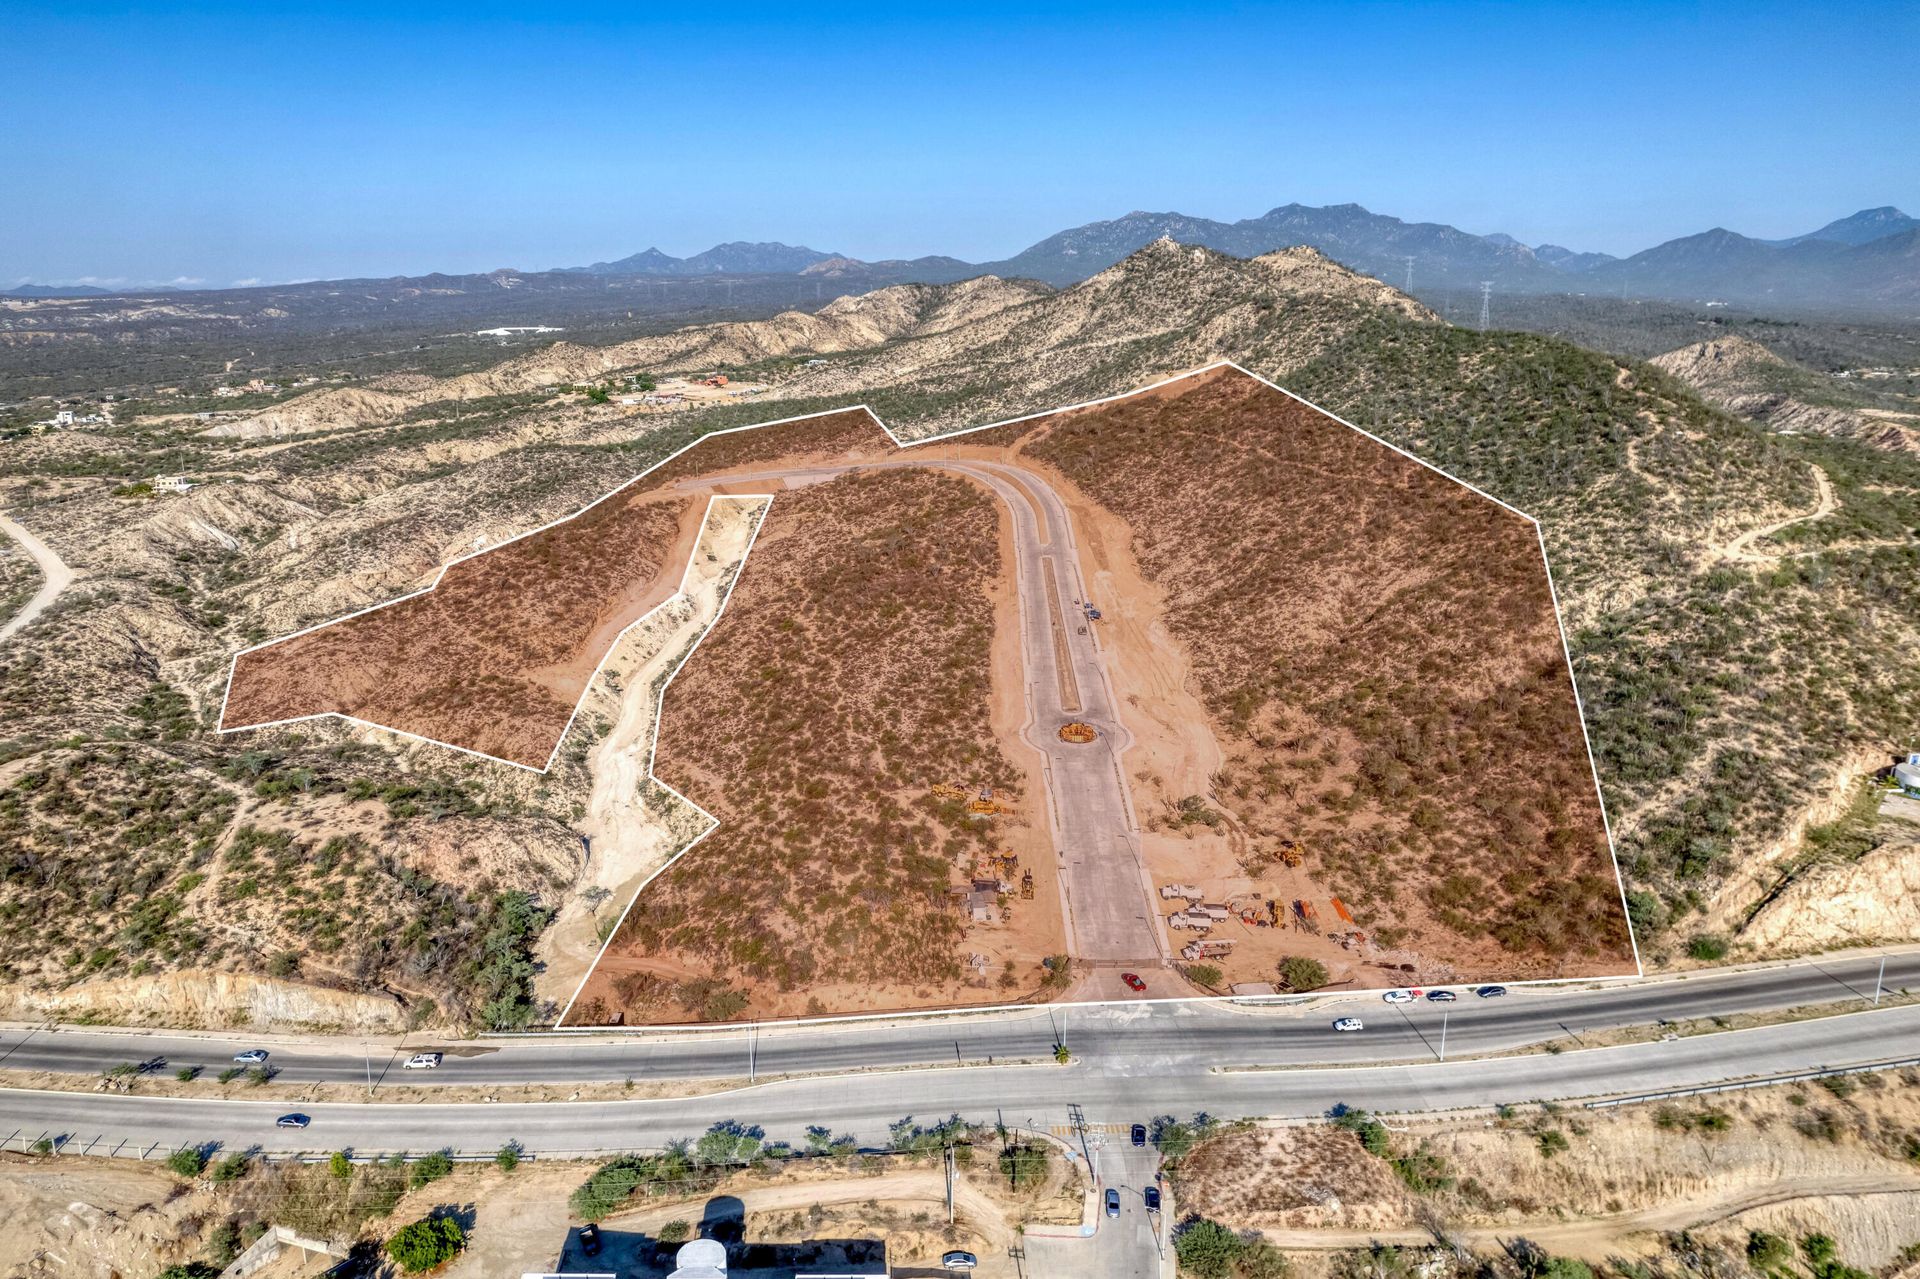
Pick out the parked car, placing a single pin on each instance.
(1491, 992)
(1349, 1023)
(958, 1260)
(1152, 1195)
(251, 1057)
(1139, 1135)
(1113, 1203)
(1441, 996)
(589, 1240)
(423, 1061)
(1398, 996)
(292, 1121)
(1133, 981)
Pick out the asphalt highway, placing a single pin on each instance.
(1145, 1038)
(1108, 1091)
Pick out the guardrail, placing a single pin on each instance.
(1798, 1076)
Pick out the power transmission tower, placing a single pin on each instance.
(1409, 286)
(1486, 297)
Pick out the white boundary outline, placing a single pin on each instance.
(714, 822)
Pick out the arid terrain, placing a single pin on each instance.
(1716, 577)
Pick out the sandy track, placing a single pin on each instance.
(57, 578)
(1740, 549)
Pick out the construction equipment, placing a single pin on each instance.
(1026, 886)
(1206, 948)
(1188, 891)
(1078, 732)
(941, 790)
(1305, 918)
(1290, 854)
(986, 807)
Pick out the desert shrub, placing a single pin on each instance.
(425, 1244)
(232, 1168)
(190, 1162)
(1424, 1172)
(1371, 1132)
(507, 1158)
(429, 1168)
(676, 1232)
(1025, 1165)
(190, 1270)
(1300, 973)
(340, 1164)
(1207, 1249)
(1707, 947)
(1553, 1142)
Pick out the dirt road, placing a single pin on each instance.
(56, 574)
(1111, 917)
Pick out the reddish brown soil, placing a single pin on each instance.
(495, 657)
(849, 673)
(1377, 649)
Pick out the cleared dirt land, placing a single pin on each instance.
(1380, 663)
(495, 656)
(849, 674)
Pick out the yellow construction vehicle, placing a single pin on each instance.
(942, 790)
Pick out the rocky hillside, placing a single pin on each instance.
(1745, 378)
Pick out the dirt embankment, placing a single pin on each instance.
(1588, 1184)
(191, 997)
(632, 827)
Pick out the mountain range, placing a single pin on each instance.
(1867, 261)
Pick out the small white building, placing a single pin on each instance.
(1907, 775)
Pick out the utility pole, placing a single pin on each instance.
(1878, 980)
(1443, 1034)
(1486, 298)
(753, 1044)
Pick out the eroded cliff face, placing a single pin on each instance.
(209, 1000)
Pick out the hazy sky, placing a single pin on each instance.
(217, 143)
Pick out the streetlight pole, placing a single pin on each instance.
(1878, 980)
(1443, 1034)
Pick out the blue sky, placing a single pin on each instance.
(220, 143)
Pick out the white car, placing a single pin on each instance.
(423, 1061)
(251, 1057)
(1398, 996)
(1349, 1023)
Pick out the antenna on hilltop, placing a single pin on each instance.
(1409, 286)
(1486, 297)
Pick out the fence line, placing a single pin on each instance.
(1798, 1076)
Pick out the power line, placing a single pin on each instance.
(1409, 284)
(1486, 297)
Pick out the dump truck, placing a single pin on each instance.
(1171, 891)
(1206, 948)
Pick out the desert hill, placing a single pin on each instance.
(1745, 378)
(1736, 600)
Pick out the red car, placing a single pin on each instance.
(1133, 981)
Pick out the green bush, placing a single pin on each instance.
(1300, 973)
(340, 1164)
(508, 1157)
(1025, 1165)
(190, 1162)
(190, 1270)
(1206, 1249)
(1371, 1132)
(232, 1168)
(429, 1168)
(676, 1232)
(426, 1244)
(1707, 947)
